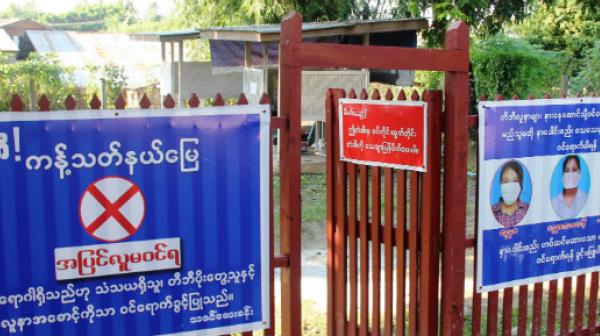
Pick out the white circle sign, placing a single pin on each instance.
(112, 209)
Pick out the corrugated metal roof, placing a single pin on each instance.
(170, 36)
(270, 32)
(4, 22)
(23, 23)
(141, 59)
(6, 43)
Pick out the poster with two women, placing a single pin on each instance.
(539, 191)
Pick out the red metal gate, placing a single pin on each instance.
(409, 236)
(349, 217)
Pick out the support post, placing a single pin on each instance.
(455, 186)
(290, 212)
(172, 72)
(181, 98)
(32, 99)
(265, 68)
(103, 92)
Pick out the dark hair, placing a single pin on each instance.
(516, 167)
(571, 157)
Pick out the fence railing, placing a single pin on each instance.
(70, 103)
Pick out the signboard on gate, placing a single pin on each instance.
(539, 191)
(384, 133)
(146, 222)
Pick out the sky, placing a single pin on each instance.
(61, 6)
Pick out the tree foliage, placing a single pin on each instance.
(568, 26)
(83, 17)
(588, 79)
(47, 75)
(511, 66)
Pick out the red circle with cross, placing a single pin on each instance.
(112, 209)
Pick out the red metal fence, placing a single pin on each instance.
(400, 217)
(277, 123)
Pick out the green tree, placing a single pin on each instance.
(568, 26)
(588, 79)
(47, 75)
(114, 81)
(83, 17)
(511, 66)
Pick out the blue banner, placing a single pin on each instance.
(539, 191)
(144, 223)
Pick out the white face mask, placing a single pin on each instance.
(510, 192)
(571, 180)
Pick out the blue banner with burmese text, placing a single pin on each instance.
(539, 191)
(134, 223)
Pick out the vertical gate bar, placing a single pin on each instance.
(430, 218)
(551, 319)
(492, 313)
(341, 221)
(538, 291)
(376, 240)
(593, 303)
(522, 323)
(289, 172)
(329, 217)
(579, 300)
(536, 321)
(507, 300)
(364, 250)
(565, 309)
(388, 190)
(413, 252)
(388, 218)
(507, 297)
(413, 236)
(476, 308)
(352, 221)
(271, 330)
(243, 101)
(376, 248)
(401, 247)
(492, 324)
(401, 254)
(455, 186)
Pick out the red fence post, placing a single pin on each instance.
(95, 103)
(70, 103)
(145, 102)
(169, 102)
(194, 101)
(16, 104)
(44, 103)
(289, 174)
(455, 186)
(120, 102)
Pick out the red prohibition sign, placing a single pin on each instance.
(112, 209)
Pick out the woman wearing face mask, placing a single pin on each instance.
(571, 200)
(510, 209)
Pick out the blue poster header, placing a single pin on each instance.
(515, 131)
